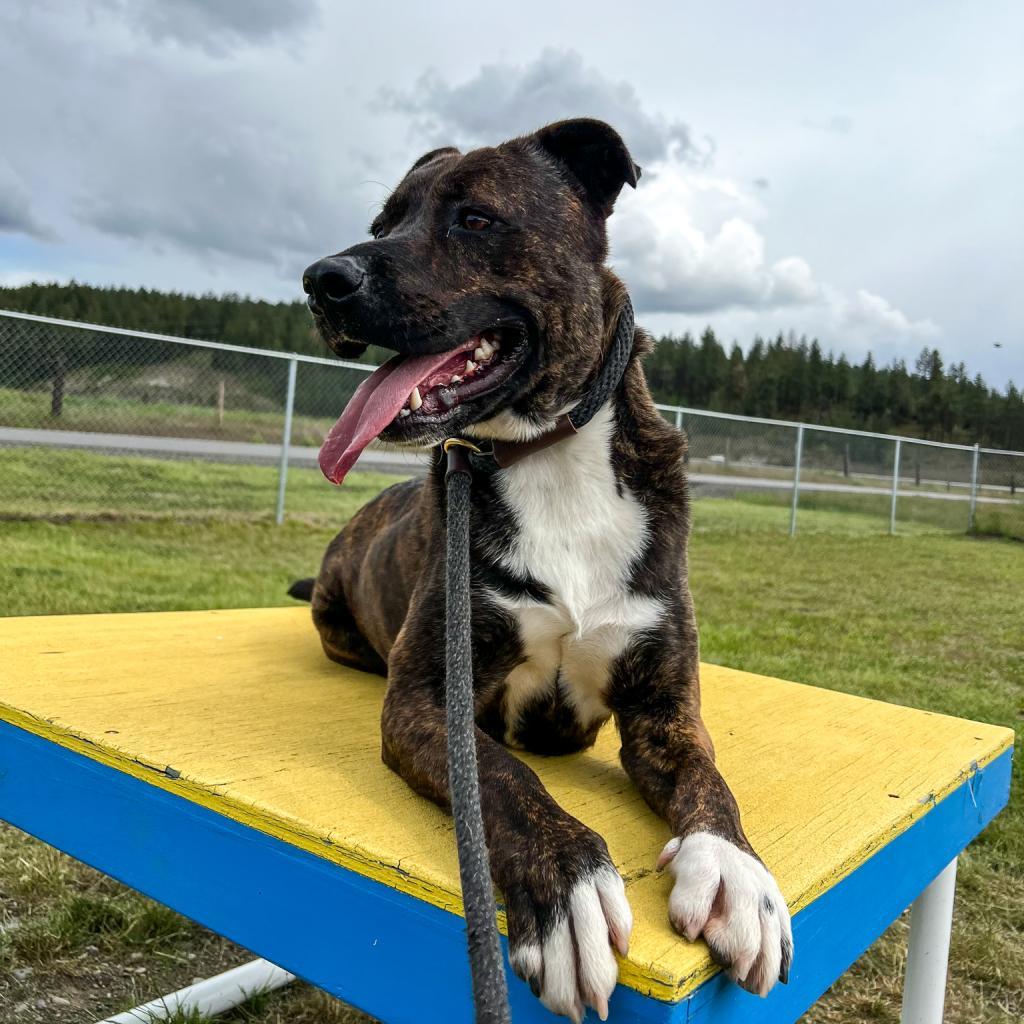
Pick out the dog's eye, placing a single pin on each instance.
(473, 221)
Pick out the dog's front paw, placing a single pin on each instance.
(730, 897)
(565, 914)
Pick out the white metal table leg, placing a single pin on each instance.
(211, 996)
(931, 920)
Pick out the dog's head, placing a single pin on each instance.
(484, 275)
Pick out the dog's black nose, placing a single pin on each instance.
(331, 280)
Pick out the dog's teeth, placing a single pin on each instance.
(470, 366)
(456, 379)
(480, 355)
(403, 412)
(414, 399)
(486, 348)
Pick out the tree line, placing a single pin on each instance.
(795, 379)
(784, 377)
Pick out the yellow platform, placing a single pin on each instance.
(239, 711)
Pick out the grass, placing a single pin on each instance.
(929, 618)
(52, 483)
(869, 513)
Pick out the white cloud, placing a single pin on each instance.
(687, 242)
(217, 27)
(504, 100)
(870, 312)
(17, 215)
(691, 250)
(238, 186)
(195, 160)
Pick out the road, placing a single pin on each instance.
(199, 448)
(396, 462)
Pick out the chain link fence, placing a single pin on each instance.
(902, 483)
(101, 421)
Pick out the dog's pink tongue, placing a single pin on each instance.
(375, 404)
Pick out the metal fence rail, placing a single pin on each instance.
(79, 386)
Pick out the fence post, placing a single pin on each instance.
(286, 440)
(679, 419)
(895, 487)
(796, 478)
(974, 486)
(57, 392)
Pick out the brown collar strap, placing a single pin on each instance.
(508, 453)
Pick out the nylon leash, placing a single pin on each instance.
(490, 995)
(490, 991)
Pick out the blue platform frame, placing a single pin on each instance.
(396, 957)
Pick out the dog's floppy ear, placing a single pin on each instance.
(595, 155)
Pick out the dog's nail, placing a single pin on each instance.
(784, 974)
(745, 966)
(670, 849)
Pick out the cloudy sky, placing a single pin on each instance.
(852, 171)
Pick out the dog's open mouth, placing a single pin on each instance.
(410, 392)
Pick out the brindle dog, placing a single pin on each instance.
(486, 274)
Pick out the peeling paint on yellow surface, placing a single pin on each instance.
(240, 712)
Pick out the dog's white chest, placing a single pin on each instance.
(579, 536)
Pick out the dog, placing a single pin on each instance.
(486, 275)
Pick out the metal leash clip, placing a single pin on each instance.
(458, 461)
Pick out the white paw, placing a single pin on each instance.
(731, 899)
(574, 966)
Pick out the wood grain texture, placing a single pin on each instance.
(240, 712)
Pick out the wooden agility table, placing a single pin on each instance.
(219, 763)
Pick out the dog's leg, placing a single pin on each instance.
(722, 889)
(565, 902)
(340, 637)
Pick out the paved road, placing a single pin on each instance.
(720, 482)
(199, 448)
(394, 461)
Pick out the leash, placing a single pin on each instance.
(490, 993)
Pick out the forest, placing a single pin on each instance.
(782, 377)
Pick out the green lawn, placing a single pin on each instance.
(929, 618)
(52, 483)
